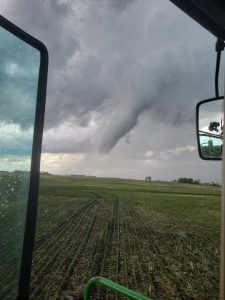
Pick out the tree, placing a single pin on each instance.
(197, 181)
(188, 180)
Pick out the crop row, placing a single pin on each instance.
(59, 250)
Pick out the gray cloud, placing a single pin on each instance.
(119, 65)
(96, 50)
(120, 5)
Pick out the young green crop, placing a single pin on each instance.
(160, 239)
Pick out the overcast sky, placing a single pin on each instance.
(124, 80)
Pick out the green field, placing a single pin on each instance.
(13, 203)
(161, 239)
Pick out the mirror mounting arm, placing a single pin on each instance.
(219, 48)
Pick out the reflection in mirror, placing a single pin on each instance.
(211, 129)
(19, 73)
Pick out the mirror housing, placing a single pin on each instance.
(209, 128)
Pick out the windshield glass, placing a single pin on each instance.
(18, 85)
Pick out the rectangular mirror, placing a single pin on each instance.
(209, 121)
(23, 67)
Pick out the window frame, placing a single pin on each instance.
(31, 213)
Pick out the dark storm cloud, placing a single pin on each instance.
(120, 59)
(50, 22)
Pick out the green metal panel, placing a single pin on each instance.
(112, 286)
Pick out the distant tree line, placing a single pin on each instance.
(215, 183)
(188, 180)
(45, 173)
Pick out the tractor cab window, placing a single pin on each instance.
(19, 73)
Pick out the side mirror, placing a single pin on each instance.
(209, 125)
(23, 73)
